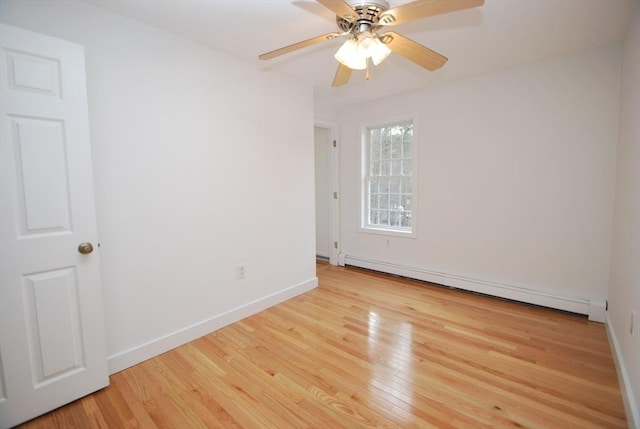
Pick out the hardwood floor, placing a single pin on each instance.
(369, 350)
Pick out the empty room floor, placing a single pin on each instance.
(369, 350)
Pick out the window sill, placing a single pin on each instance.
(387, 232)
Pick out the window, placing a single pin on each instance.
(388, 178)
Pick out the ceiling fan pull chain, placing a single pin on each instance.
(366, 75)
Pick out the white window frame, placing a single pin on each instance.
(364, 201)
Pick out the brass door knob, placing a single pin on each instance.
(85, 248)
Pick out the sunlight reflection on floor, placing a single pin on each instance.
(395, 366)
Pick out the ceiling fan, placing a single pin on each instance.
(362, 21)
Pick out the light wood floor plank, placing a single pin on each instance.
(368, 350)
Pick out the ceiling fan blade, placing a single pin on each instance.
(340, 8)
(299, 45)
(424, 8)
(413, 51)
(342, 75)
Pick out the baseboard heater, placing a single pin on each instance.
(595, 309)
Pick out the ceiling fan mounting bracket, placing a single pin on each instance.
(368, 12)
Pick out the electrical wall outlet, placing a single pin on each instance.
(241, 271)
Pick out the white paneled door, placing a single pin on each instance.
(52, 340)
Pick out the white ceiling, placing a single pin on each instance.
(498, 35)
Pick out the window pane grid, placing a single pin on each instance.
(389, 179)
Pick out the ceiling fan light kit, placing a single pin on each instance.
(361, 20)
(355, 52)
(349, 56)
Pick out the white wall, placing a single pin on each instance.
(193, 174)
(516, 180)
(323, 108)
(624, 296)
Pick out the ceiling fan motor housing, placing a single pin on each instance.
(368, 12)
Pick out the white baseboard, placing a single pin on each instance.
(135, 355)
(628, 398)
(595, 309)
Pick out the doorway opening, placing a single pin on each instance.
(326, 190)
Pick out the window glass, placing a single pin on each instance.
(388, 180)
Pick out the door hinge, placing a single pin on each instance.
(335, 195)
(334, 144)
(335, 244)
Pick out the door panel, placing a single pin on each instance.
(42, 178)
(53, 323)
(323, 191)
(52, 340)
(33, 73)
